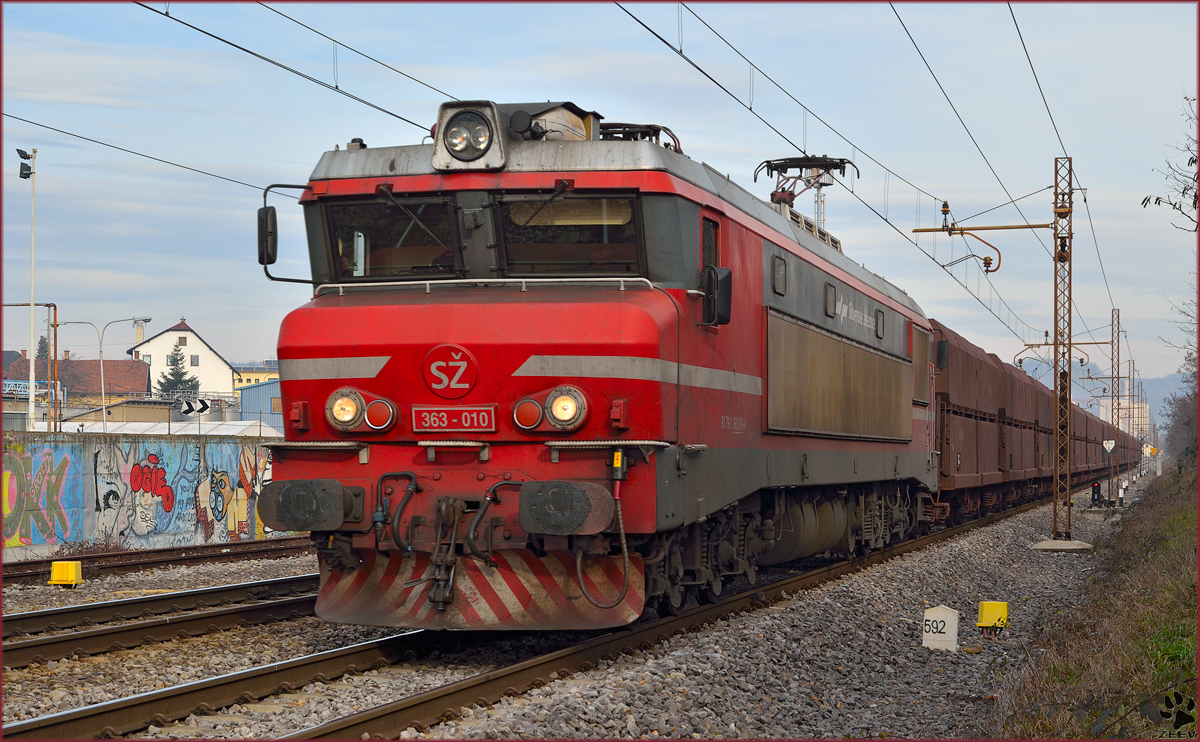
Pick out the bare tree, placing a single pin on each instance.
(1181, 180)
(1179, 408)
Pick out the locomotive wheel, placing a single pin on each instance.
(672, 602)
(712, 592)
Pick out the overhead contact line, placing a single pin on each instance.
(1003, 304)
(282, 66)
(359, 53)
(133, 152)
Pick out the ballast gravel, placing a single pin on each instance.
(32, 597)
(59, 685)
(840, 660)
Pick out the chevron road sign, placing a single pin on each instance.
(189, 409)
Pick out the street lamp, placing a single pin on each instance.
(100, 339)
(27, 173)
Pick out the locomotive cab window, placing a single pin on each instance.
(587, 236)
(413, 238)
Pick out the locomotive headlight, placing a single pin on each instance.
(566, 408)
(344, 410)
(467, 136)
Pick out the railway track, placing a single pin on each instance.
(135, 713)
(95, 565)
(265, 605)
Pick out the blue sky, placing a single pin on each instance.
(119, 236)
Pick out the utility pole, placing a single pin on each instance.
(1062, 342)
(1062, 346)
(1114, 406)
(30, 172)
(1114, 396)
(54, 407)
(1144, 414)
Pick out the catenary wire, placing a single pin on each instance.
(701, 70)
(711, 79)
(140, 154)
(282, 66)
(1036, 80)
(807, 110)
(965, 127)
(356, 51)
(1046, 103)
(1022, 198)
(985, 159)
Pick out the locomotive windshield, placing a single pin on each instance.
(570, 236)
(408, 238)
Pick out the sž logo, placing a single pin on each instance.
(450, 371)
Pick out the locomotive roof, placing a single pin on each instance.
(567, 156)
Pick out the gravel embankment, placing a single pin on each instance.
(841, 660)
(466, 655)
(38, 690)
(22, 598)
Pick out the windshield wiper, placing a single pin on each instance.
(384, 190)
(561, 185)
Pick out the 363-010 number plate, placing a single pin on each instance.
(438, 419)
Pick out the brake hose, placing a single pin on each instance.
(624, 553)
(408, 493)
(488, 499)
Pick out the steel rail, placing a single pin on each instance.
(426, 709)
(127, 561)
(85, 614)
(135, 713)
(26, 652)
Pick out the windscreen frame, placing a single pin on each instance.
(502, 200)
(330, 239)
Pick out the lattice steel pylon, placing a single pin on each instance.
(1114, 407)
(1062, 347)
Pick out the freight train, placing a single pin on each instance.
(555, 371)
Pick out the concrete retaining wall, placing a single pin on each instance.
(138, 492)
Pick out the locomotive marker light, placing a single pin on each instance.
(527, 414)
(380, 415)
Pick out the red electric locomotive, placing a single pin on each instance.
(554, 369)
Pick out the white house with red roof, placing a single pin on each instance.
(199, 358)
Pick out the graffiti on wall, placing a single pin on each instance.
(142, 492)
(139, 492)
(39, 497)
(227, 497)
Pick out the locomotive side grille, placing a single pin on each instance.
(820, 384)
